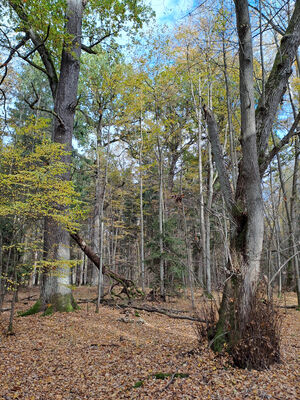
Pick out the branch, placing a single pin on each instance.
(163, 312)
(40, 47)
(218, 157)
(89, 49)
(276, 149)
(15, 49)
(277, 82)
(269, 20)
(33, 106)
(282, 266)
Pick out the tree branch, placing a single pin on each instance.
(15, 50)
(292, 132)
(269, 20)
(33, 106)
(277, 82)
(39, 44)
(89, 49)
(218, 158)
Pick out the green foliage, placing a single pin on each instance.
(174, 251)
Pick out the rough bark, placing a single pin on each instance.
(246, 208)
(55, 288)
(250, 168)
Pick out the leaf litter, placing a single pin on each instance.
(84, 355)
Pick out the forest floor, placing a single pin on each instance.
(84, 355)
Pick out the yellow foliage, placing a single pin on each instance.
(33, 180)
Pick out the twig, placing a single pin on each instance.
(170, 381)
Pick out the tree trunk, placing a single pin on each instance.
(161, 232)
(207, 228)
(142, 251)
(247, 207)
(55, 290)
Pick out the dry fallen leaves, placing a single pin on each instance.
(83, 355)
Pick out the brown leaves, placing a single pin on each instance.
(83, 355)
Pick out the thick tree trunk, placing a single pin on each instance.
(249, 166)
(247, 208)
(55, 289)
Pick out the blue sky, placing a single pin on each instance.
(171, 11)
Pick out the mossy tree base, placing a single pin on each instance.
(58, 303)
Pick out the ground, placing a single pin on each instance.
(84, 355)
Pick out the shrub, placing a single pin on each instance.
(258, 343)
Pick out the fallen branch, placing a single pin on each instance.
(129, 287)
(288, 307)
(156, 310)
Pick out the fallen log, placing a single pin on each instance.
(129, 287)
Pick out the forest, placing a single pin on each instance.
(149, 199)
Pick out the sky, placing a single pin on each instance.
(171, 11)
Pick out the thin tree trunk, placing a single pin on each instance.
(142, 251)
(161, 232)
(207, 222)
(100, 272)
(188, 249)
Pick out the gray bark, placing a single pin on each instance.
(249, 166)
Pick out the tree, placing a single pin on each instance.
(32, 188)
(57, 37)
(246, 206)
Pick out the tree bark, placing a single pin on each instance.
(55, 288)
(246, 208)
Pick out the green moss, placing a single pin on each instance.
(60, 303)
(162, 375)
(63, 303)
(219, 338)
(208, 295)
(49, 311)
(33, 310)
(138, 384)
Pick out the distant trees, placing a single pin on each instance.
(177, 152)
